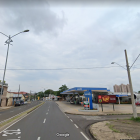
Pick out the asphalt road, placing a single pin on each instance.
(8, 113)
(47, 122)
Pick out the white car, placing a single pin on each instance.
(25, 102)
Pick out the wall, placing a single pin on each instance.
(3, 97)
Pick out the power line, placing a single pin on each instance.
(63, 68)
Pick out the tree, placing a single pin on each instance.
(47, 92)
(61, 89)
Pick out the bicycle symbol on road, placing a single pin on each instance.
(10, 132)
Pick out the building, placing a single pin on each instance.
(117, 88)
(9, 97)
(12, 97)
(122, 88)
(3, 96)
(80, 91)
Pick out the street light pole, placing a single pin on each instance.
(4, 72)
(8, 41)
(131, 88)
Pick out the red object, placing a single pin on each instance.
(106, 99)
(137, 103)
(86, 105)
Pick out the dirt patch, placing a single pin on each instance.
(128, 127)
(116, 129)
(102, 131)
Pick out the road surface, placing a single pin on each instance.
(47, 122)
(8, 113)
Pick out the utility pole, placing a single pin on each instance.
(18, 92)
(131, 88)
(29, 95)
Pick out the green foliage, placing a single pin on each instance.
(46, 93)
(63, 88)
(137, 119)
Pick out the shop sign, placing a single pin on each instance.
(106, 99)
(86, 105)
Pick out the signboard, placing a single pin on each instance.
(106, 99)
(86, 105)
(88, 95)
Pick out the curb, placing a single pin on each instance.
(98, 114)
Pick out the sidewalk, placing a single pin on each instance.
(5, 107)
(107, 109)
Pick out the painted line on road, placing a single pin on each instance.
(15, 115)
(46, 113)
(38, 138)
(48, 109)
(11, 111)
(71, 120)
(84, 135)
(76, 126)
(19, 119)
(68, 116)
(13, 139)
(44, 120)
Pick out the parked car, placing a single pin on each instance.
(21, 102)
(25, 102)
(17, 103)
(137, 103)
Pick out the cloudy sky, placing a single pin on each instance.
(65, 36)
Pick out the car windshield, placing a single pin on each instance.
(17, 101)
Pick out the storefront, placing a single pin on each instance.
(80, 91)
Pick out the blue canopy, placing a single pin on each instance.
(76, 89)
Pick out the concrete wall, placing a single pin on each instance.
(3, 97)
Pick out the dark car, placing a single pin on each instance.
(21, 102)
(17, 103)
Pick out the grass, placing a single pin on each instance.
(20, 115)
(137, 119)
(111, 127)
(94, 135)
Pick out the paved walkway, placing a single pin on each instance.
(5, 107)
(107, 109)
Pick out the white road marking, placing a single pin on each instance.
(84, 135)
(71, 120)
(76, 126)
(46, 113)
(38, 138)
(48, 109)
(44, 120)
(11, 111)
(68, 116)
(18, 120)
(13, 139)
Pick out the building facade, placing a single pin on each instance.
(122, 88)
(3, 96)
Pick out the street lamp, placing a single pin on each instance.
(130, 82)
(8, 41)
